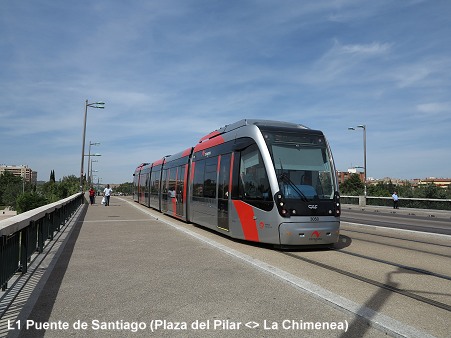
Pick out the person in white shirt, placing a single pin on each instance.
(107, 193)
(395, 200)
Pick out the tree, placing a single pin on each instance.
(29, 201)
(352, 186)
(380, 189)
(52, 176)
(125, 188)
(55, 191)
(11, 187)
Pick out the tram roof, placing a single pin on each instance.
(247, 122)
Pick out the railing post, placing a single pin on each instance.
(3, 261)
(41, 233)
(52, 225)
(59, 218)
(362, 201)
(24, 250)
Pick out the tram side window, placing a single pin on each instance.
(172, 182)
(224, 177)
(205, 173)
(164, 183)
(210, 177)
(142, 183)
(180, 183)
(154, 182)
(254, 183)
(147, 184)
(198, 184)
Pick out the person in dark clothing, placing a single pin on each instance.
(92, 194)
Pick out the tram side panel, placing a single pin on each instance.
(174, 191)
(136, 185)
(222, 202)
(174, 184)
(252, 215)
(203, 208)
(142, 187)
(155, 180)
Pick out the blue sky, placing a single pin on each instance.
(172, 71)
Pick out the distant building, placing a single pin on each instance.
(23, 171)
(395, 181)
(415, 183)
(344, 175)
(440, 182)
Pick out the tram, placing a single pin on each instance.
(256, 180)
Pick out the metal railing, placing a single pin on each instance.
(25, 234)
(414, 203)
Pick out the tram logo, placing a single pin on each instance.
(313, 206)
(315, 233)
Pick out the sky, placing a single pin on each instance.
(172, 71)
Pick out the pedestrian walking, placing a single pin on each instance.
(107, 193)
(92, 194)
(395, 200)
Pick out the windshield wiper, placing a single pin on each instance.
(284, 177)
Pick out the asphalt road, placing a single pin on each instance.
(416, 220)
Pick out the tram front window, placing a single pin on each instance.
(303, 171)
(254, 184)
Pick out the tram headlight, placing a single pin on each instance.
(337, 204)
(280, 202)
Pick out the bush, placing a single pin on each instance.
(29, 201)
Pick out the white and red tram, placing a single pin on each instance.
(256, 180)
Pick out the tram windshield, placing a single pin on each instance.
(303, 166)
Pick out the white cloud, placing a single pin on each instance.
(174, 68)
(372, 49)
(435, 107)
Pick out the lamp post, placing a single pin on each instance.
(89, 160)
(98, 183)
(364, 152)
(99, 105)
(89, 157)
(90, 173)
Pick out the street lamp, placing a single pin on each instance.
(99, 105)
(89, 156)
(89, 160)
(90, 172)
(364, 152)
(98, 183)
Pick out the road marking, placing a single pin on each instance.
(379, 321)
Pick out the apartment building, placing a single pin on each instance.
(21, 171)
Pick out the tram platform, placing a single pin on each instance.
(124, 271)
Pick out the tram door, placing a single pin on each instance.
(223, 191)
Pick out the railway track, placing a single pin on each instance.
(404, 275)
(386, 286)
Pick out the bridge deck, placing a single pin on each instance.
(120, 267)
